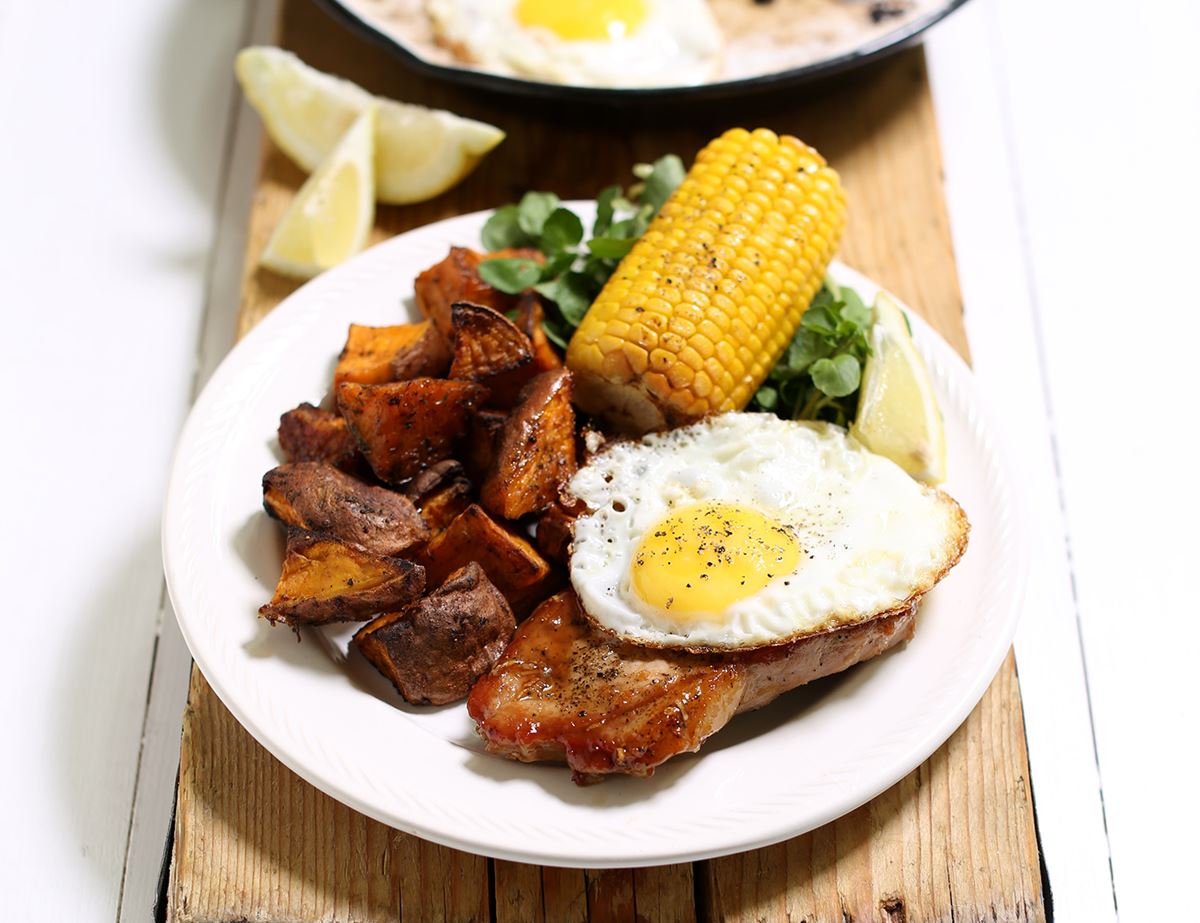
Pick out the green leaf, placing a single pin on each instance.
(824, 298)
(533, 210)
(598, 270)
(572, 293)
(605, 207)
(860, 316)
(625, 228)
(510, 275)
(665, 176)
(557, 331)
(558, 264)
(561, 230)
(820, 319)
(852, 304)
(767, 397)
(806, 348)
(575, 297)
(501, 230)
(838, 376)
(611, 248)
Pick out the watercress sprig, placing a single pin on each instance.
(819, 374)
(574, 271)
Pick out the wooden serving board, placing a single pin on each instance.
(955, 840)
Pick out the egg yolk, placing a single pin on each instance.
(701, 559)
(583, 20)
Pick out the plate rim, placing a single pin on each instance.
(884, 45)
(915, 753)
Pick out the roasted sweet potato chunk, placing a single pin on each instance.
(530, 316)
(370, 352)
(320, 498)
(432, 479)
(404, 426)
(456, 279)
(326, 579)
(309, 433)
(435, 650)
(443, 507)
(555, 532)
(536, 454)
(426, 356)
(481, 441)
(510, 562)
(486, 343)
(440, 493)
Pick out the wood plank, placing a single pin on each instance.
(528, 894)
(564, 895)
(942, 844)
(955, 838)
(519, 893)
(665, 894)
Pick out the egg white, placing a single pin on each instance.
(679, 43)
(871, 538)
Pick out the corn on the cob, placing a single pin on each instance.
(705, 303)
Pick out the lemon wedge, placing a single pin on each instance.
(419, 152)
(332, 214)
(898, 415)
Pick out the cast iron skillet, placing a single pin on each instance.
(516, 86)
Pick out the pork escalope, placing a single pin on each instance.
(564, 691)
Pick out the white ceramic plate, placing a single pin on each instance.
(811, 756)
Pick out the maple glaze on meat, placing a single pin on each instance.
(564, 691)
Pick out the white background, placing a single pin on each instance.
(1071, 133)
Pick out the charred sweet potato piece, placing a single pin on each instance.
(308, 433)
(530, 316)
(443, 507)
(432, 480)
(486, 343)
(320, 498)
(435, 650)
(456, 279)
(510, 562)
(440, 493)
(555, 532)
(325, 579)
(369, 353)
(404, 426)
(426, 356)
(479, 445)
(536, 454)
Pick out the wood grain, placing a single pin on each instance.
(955, 840)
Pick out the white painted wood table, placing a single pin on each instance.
(1070, 132)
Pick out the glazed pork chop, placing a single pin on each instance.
(564, 691)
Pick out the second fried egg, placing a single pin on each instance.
(616, 43)
(744, 530)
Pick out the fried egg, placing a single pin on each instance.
(616, 43)
(744, 530)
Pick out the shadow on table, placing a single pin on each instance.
(190, 90)
(103, 668)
